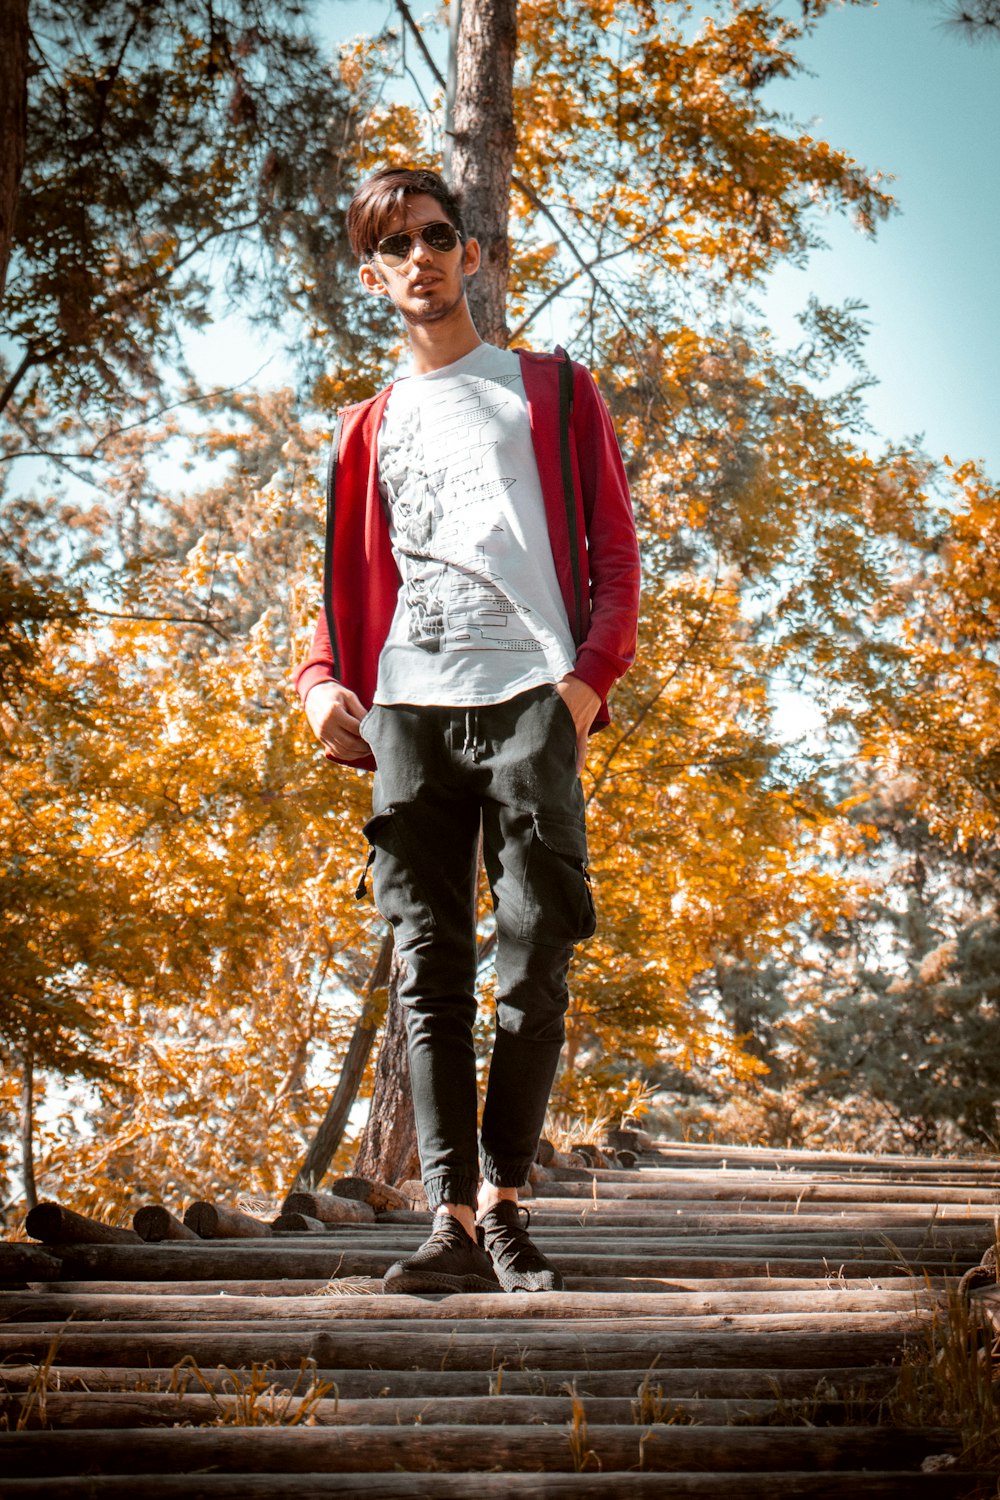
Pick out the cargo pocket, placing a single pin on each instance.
(557, 906)
(398, 892)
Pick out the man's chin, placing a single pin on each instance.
(429, 309)
(426, 311)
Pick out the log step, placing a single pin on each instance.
(443, 1448)
(728, 1313)
(735, 1384)
(117, 1410)
(959, 1484)
(852, 1341)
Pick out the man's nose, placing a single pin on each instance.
(418, 250)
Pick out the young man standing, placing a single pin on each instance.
(480, 599)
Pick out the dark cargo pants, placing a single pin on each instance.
(444, 773)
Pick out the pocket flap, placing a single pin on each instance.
(566, 836)
(376, 821)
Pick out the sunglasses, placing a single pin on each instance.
(395, 248)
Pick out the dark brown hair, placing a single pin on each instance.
(382, 195)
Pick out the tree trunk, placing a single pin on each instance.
(330, 1133)
(28, 1131)
(482, 149)
(13, 118)
(388, 1150)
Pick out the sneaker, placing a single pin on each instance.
(519, 1264)
(446, 1262)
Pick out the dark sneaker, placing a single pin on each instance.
(519, 1264)
(446, 1262)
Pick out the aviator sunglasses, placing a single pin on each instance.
(395, 248)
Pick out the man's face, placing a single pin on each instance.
(430, 284)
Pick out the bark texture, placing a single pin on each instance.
(482, 150)
(13, 118)
(388, 1150)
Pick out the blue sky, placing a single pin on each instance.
(906, 95)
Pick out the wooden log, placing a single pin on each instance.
(414, 1192)
(21, 1262)
(545, 1152)
(196, 1407)
(298, 1224)
(213, 1221)
(628, 1160)
(698, 1222)
(55, 1225)
(820, 1304)
(622, 1140)
(834, 1194)
(316, 1286)
(354, 1346)
(316, 1257)
(379, 1195)
(869, 1382)
(449, 1448)
(155, 1223)
(958, 1484)
(586, 1207)
(791, 1156)
(330, 1208)
(644, 1141)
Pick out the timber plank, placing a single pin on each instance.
(314, 1287)
(581, 1307)
(125, 1410)
(358, 1384)
(416, 1348)
(443, 1448)
(745, 1289)
(845, 1485)
(170, 1262)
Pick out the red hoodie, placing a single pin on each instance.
(599, 580)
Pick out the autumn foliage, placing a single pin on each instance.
(797, 929)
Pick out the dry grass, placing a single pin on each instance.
(650, 1405)
(582, 1454)
(947, 1378)
(347, 1286)
(33, 1403)
(255, 1400)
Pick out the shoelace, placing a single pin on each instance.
(507, 1241)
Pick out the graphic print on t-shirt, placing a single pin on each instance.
(479, 613)
(454, 598)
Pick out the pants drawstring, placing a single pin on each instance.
(473, 745)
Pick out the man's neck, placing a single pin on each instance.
(435, 345)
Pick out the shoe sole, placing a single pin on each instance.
(432, 1281)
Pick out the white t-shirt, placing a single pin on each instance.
(479, 615)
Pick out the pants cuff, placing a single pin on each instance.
(444, 1187)
(505, 1174)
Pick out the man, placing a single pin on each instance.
(480, 599)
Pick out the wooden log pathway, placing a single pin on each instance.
(734, 1323)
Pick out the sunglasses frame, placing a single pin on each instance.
(411, 234)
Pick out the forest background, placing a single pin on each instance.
(800, 940)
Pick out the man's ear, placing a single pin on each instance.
(471, 257)
(370, 279)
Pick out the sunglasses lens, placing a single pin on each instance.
(439, 236)
(394, 249)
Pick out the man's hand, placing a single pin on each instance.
(335, 715)
(583, 703)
